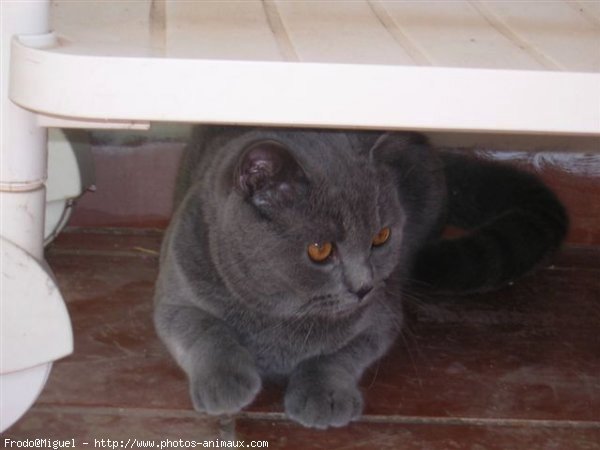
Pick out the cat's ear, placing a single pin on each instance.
(393, 146)
(269, 175)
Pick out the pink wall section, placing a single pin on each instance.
(134, 186)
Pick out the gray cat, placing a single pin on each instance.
(289, 251)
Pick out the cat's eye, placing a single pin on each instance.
(320, 252)
(381, 237)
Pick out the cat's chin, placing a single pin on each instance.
(346, 310)
(336, 307)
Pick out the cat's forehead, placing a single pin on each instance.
(345, 184)
(338, 162)
(338, 211)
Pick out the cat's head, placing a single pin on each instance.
(309, 227)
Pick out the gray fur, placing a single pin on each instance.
(237, 298)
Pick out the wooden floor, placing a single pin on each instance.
(517, 369)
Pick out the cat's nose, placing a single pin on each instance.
(363, 291)
(358, 276)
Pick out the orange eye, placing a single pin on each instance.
(381, 237)
(320, 252)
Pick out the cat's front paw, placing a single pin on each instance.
(320, 405)
(225, 390)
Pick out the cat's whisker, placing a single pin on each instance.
(307, 335)
(407, 346)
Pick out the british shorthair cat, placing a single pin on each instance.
(290, 249)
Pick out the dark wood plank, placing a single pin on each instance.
(119, 426)
(418, 436)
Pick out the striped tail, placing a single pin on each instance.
(512, 222)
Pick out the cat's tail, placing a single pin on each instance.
(512, 223)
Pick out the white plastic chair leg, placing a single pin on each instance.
(34, 325)
(19, 391)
